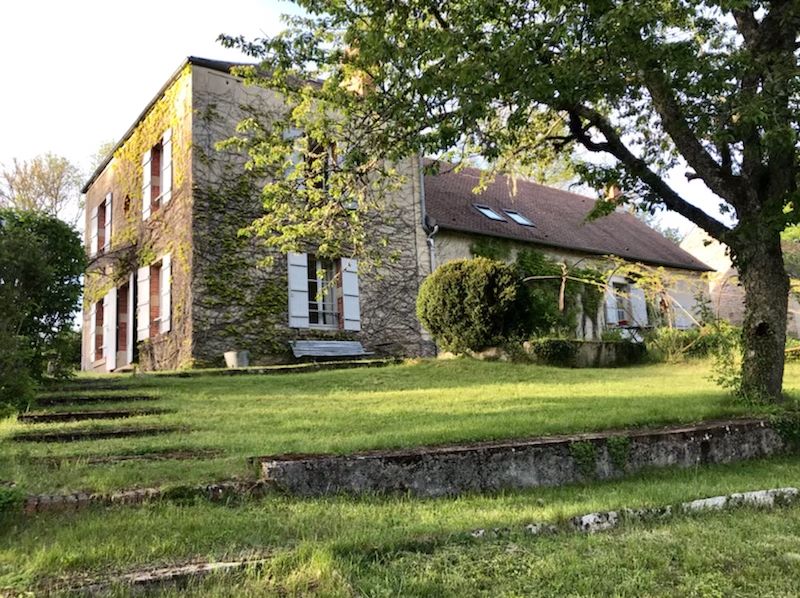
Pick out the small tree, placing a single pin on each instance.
(41, 262)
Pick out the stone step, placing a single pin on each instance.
(103, 434)
(72, 416)
(56, 400)
(546, 461)
(166, 455)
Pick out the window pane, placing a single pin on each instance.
(490, 213)
(518, 218)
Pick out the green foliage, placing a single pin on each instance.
(619, 449)
(468, 305)
(41, 261)
(554, 351)
(491, 248)
(672, 344)
(581, 293)
(11, 499)
(787, 425)
(585, 455)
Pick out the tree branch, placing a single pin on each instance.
(720, 181)
(639, 168)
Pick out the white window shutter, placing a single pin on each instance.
(351, 304)
(611, 305)
(129, 348)
(165, 306)
(166, 167)
(93, 231)
(298, 290)
(638, 306)
(92, 333)
(147, 176)
(143, 304)
(110, 330)
(107, 224)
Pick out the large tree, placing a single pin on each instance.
(628, 90)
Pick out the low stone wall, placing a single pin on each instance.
(552, 461)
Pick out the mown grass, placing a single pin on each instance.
(401, 546)
(403, 405)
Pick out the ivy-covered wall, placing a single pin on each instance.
(136, 242)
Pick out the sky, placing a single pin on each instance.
(76, 74)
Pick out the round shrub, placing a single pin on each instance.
(468, 305)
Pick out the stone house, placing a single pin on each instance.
(171, 283)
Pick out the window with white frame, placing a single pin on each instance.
(323, 293)
(157, 175)
(519, 218)
(100, 226)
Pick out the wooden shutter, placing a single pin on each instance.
(351, 304)
(131, 294)
(166, 295)
(638, 306)
(143, 304)
(298, 290)
(166, 167)
(92, 334)
(107, 224)
(93, 232)
(110, 330)
(147, 176)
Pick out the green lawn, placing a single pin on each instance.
(341, 411)
(400, 546)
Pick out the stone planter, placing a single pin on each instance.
(237, 359)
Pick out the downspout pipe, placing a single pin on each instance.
(428, 225)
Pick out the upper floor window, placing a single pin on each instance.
(157, 175)
(100, 227)
(518, 218)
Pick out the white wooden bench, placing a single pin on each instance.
(314, 348)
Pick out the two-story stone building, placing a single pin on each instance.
(172, 284)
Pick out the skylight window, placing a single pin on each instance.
(490, 213)
(518, 218)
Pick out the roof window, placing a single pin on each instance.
(489, 213)
(518, 218)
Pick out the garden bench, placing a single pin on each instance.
(328, 349)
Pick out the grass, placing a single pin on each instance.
(343, 411)
(402, 546)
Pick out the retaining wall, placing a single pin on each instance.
(551, 461)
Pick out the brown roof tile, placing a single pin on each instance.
(559, 219)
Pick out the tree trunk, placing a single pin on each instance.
(766, 287)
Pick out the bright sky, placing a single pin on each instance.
(76, 74)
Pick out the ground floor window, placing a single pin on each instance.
(98, 331)
(322, 303)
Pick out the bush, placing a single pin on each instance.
(672, 344)
(468, 305)
(554, 351)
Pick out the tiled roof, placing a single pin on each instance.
(559, 219)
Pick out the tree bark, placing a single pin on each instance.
(766, 286)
